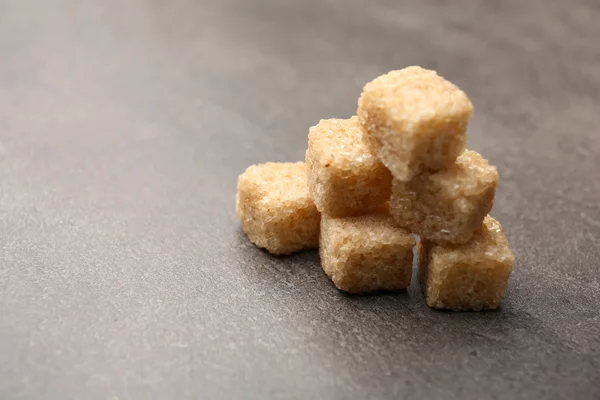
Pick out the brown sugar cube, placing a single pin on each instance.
(366, 253)
(344, 177)
(275, 208)
(471, 276)
(447, 206)
(414, 120)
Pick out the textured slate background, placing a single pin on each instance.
(123, 128)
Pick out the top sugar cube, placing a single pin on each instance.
(414, 120)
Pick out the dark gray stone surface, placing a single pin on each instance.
(123, 128)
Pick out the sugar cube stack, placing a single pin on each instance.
(371, 183)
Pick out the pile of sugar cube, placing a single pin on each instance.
(373, 183)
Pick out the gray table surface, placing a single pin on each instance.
(123, 128)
